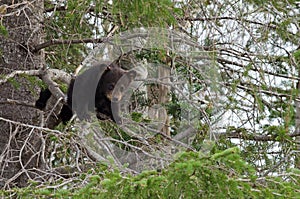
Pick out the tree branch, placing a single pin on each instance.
(270, 25)
(258, 90)
(20, 72)
(48, 76)
(55, 42)
(56, 8)
(52, 85)
(240, 134)
(30, 126)
(17, 102)
(56, 74)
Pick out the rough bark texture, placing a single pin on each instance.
(19, 144)
(297, 104)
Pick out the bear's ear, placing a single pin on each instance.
(112, 66)
(131, 74)
(109, 68)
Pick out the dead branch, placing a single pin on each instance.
(267, 92)
(239, 134)
(269, 25)
(54, 42)
(17, 102)
(20, 72)
(50, 75)
(30, 126)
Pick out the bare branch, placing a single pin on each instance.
(53, 86)
(48, 77)
(30, 126)
(17, 102)
(56, 8)
(56, 74)
(258, 90)
(240, 134)
(269, 25)
(55, 42)
(20, 72)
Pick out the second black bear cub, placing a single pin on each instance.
(95, 90)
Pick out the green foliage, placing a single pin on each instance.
(137, 117)
(88, 19)
(223, 174)
(250, 70)
(32, 82)
(144, 13)
(70, 24)
(3, 31)
(14, 83)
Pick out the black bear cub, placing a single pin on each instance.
(95, 91)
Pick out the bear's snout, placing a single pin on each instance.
(117, 97)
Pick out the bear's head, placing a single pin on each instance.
(112, 76)
(110, 90)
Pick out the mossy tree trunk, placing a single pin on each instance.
(20, 143)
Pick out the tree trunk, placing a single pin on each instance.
(19, 143)
(297, 124)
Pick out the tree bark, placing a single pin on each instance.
(297, 124)
(20, 145)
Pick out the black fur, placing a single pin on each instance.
(98, 81)
(41, 103)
